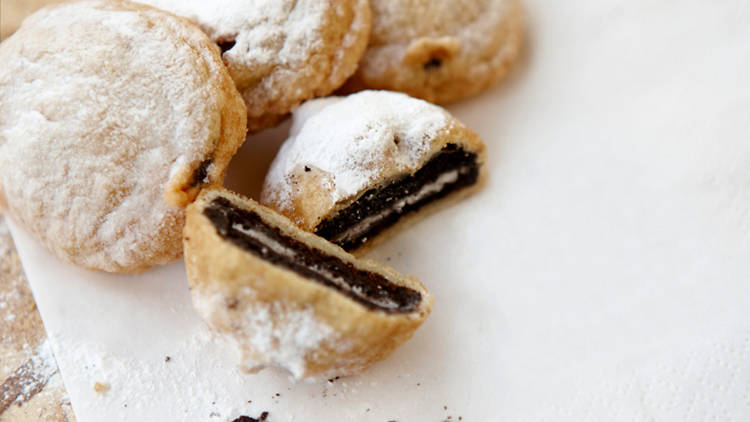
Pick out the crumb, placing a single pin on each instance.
(262, 418)
(332, 380)
(445, 407)
(101, 387)
(307, 169)
(167, 359)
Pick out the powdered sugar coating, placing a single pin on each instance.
(354, 140)
(282, 52)
(275, 334)
(106, 110)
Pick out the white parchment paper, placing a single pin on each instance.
(604, 273)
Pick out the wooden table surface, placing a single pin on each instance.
(31, 388)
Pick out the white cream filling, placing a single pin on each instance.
(265, 240)
(382, 302)
(426, 190)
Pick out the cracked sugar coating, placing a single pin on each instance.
(339, 148)
(282, 52)
(112, 115)
(440, 50)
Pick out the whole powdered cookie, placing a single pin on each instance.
(282, 52)
(357, 169)
(439, 50)
(112, 116)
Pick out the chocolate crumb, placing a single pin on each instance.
(445, 407)
(332, 380)
(226, 45)
(433, 63)
(278, 395)
(262, 418)
(167, 359)
(200, 176)
(460, 418)
(307, 169)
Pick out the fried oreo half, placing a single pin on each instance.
(290, 298)
(359, 168)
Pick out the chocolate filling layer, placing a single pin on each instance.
(433, 63)
(226, 44)
(450, 170)
(200, 175)
(247, 230)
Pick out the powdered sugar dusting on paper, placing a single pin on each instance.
(134, 383)
(353, 139)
